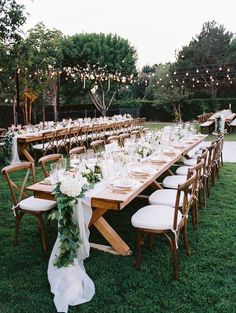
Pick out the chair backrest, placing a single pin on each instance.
(123, 137)
(17, 186)
(203, 157)
(45, 160)
(74, 135)
(2, 131)
(61, 139)
(114, 138)
(98, 145)
(135, 133)
(78, 150)
(199, 169)
(188, 188)
(211, 157)
(49, 141)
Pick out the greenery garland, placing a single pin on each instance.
(7, 147)
(68, 230)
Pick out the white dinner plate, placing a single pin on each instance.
(124, 183)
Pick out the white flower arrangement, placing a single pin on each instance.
(73, 186)
(144, 149)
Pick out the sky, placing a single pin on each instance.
(157, 29)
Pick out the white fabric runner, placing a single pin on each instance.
(71, 285)
(14, 151)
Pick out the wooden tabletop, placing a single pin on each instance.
(117, 201)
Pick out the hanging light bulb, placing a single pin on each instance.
(197, 70)
(174, 72)
(186, 74)
(220, 68)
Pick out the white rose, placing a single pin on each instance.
(71, 187)
(87, 171)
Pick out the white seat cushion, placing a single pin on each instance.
(182, 170)
(35, 204)
(190, 162)
(40, 146)
(1, 144)
(158, 217)
(165, 197)
(173, 181)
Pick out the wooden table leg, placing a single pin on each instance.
(156, 185)
(117, 243)
(22, 150)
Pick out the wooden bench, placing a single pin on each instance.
(207, 127)
(232, 125)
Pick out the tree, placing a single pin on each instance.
(12, 17)
(166, 92)
(100, 64)
(205, 62)
(39, 67)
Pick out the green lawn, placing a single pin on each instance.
(228, 137)
(207, 279)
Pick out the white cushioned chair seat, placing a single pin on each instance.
(1, 144)
(190, 162)
(35, 204)
(165, 197)
(40, 146)
(155, 217)
(182, 170)
(173, 181)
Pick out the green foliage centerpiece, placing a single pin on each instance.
(93, 174)
(67, 194)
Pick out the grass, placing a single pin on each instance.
(153, 126)
(207, 279)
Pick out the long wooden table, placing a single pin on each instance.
(107, 200)
(24, 141)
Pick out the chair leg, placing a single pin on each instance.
(151, 240)
(18, 218)
(186, 245)
(208, 186)
(42, 231)
(193, 216)
(204, 192)
(138, 249)
(196, 208)
(175, 258)
(221, 157)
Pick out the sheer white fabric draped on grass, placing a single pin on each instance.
(71, 285)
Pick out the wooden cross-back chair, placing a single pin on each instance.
(114, 138)
(98, 145)
(2, 136)
(62, 140)
(23, 203)
(210, 172)
(135, 133)
(123, 137)
(74, 137)
(77, 150)
(48, 143)
(45, 160)
(85, 135)
(218, 155)
(166, 220)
